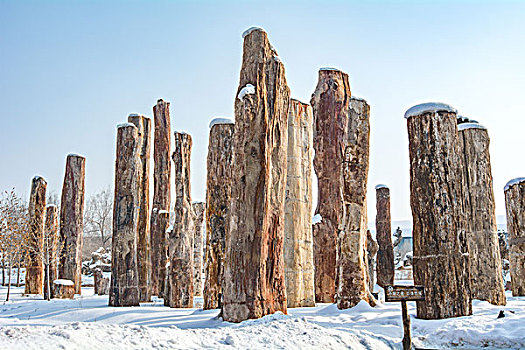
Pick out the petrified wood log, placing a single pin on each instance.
(438, 212)
(385, 254)
(218, 197)
(50, 246)
(198, 220)
(124, 289)
(486, 279)
(37, 217)
(72, 220)
(63, 289)
(254, 269)
(515, 205)
(159, 243)
(143, 125)
(298, 237)
(100, 282)
(180, 292)
(371, 250)
(351, 266)
(161, 193)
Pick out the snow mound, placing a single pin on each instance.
(317, 218)
(250, 30)
(249, 89)
(465, 126)
(218, 121)
(381, 186)
(513, 182)
(64, 282)
(125, 125)
(429, 107)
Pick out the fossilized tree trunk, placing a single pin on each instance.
(143, 125)
(198, 221)
(254, 270)
(218, 197)
(124, 289)
(515, 205)
(486, 279)
(385, 254)
(37, 217)
(180, 292)
(50, 248)
(371, 250)
(438, 212)
(72, 220)
(161, 195)
(298, 238)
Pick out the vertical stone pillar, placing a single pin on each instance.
(143, 125)
(50, 245)
(438, 212)
(124, 289)
(218, 201)
(331, 107)
(486, 279)
(161, 194)
(181, 237)
(385, 254)
(298, 237)
(515, 205)
(371, 250)
(198, 220)
(72, 220)
(351, 265)
(37, 217)
(254, 270)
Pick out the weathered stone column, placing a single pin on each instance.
(254, 270)
(371, 250)
(486, 279)
(161, 194)
(331, 107)
(124, 289)
(438, 212)
(385, 254)
(218, 198)
(72, 220)
(143, 125)
(180, 292)
(50, 245)
(37, 217)
(351, 265)
(198, 220)
(298, 237)
(515, 205)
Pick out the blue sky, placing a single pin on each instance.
(71, 71)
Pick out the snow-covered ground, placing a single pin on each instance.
(88, 323)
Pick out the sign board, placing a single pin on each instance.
(404, 293)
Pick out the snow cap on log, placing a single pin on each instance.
(221, 120)
(125, 125)
(514, 182)
(381, 186)
(465, 126)
(428, 108)
(250, 30)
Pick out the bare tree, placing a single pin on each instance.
(98, 215)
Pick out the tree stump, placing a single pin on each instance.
(486, 279)
(515, 205)
(37, 217)
(72, 220)
(438, 212)
(298, 237)
(63, 289)
(50, 244)
(161, 195)
(181, 237)
(218, 197)
(100, 283)
(198, 220)
(385, 254)
(124, 289)
(143, 125)
(254, 270)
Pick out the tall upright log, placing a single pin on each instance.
(37, 217)
(72, 220)
(385, 254)
(198, 220)
(50, 248)
(515, 205)
(143, 125)
(438, 212)
(298, 237)
(161, 193)
(254, 272)
(124, 290)
(180, 291)
(371, 250)
(218, 198)
(159, 243)
(486, 279)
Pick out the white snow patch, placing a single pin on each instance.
(51, 206)
(218, 121)
(249, 89)
(163, 211)
(75, 155)
(381, 186)
(135, 115)
(358, 99)
(277, 58)
(465, 126)
(251, 29)
(317, 219)
(429, 107)
(330, 68)
(125, 125)
(64, 282)
(514, 182)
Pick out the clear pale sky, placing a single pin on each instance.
(71, 71)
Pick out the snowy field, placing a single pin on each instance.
(88, 323)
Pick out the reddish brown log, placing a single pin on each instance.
(159, 243)
(198, 220)
(385, 254)
(515, 205)
(50, 245)
(371, 250)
